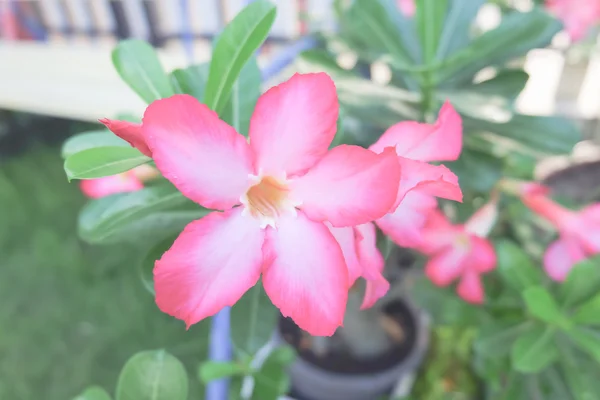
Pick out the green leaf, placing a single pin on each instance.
(211, 370)
(515, 267)
(508, 83)
(244, 94)
(476, 170)
(253, 320)
(137, 216)
(496, 339)
(582, 283)
(589, 312)
(542, 305)
(587, 340)
(430, 22)
(579, 373)
(90, 140)
(93, 393)
(272, 380)
(191, 80)
(138, 65)
(147, 263)
(516, 35)
(152, 375)
(234, 47)
(457, 26)
(103, 161)
(534, 350)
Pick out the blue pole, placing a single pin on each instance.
(188, 40)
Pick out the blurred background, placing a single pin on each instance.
(58, 331)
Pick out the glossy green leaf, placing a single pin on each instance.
(244, 94)
(496, 339)
(272, 381)
(516, 35)
(137, 216)
(94, 393)
(234, 47)
(103, 161)
(589, 312)
(476, 170)
(139, 66)
(515, 267)
(147, 263)
(457, 26)
(90, 140)
(587, 340)
(534, 350)
(582, 283)
(211, 370)
(253, 320)
(542, 305)
(430, 18)
(152, 375)
(191, 80)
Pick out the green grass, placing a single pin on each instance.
(70, 314)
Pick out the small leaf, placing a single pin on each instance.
(430, 18)
(272, 380)
(542, 305)
(587, 340)
(477, 170)
(147, 263)
(495, 340)
(507, 83)
(244, 94)
(90, 140)
(534, 350)
(93, 393)
(137, 64)
(457, 26)
(211, 370)
(234, 47)
(582, 283)
(253, 320)
(152, 375)
(103, 161)
(191, 80)
(515, 267)
(589, 312)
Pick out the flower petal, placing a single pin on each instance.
(213, 262)
(349, 186)
(434, 180)
(424, 142)
(438, 233)
(206, 159)
(405, 225)
(130, 132)
(561, 256)
(470, 288)
(346, 239)
(120, 183)
(372, 262)
(446, 266)
(305, 274)
(294, 123)
(482, 257)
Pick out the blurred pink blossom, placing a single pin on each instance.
(407, 7)
(578, 16)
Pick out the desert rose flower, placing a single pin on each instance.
(578, 16)
(579, 231)
(129, 181)
(416, 144)
(460, 251)
(277, 191)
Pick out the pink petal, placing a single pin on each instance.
(213, 262)
(206, 159)
(482, 257)
(349, 186)
(445, 267)
(424, 142)
(372, 261)
(561, 256)
(294, 123)
(105, 186)
(305, 274)
(587, 228)
(405, 225)
(438, 233)
(130, 132)
(407, 7)
(434, 180)
(470, 288)
(346, 240)
(484, 219)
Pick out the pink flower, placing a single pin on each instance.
(460, 251)
(416, 144)
(129, 181)
(578, 16)
(277, 191)
(579, 230)
(130, 132)
(407, 7)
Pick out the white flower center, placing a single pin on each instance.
(267, 199)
